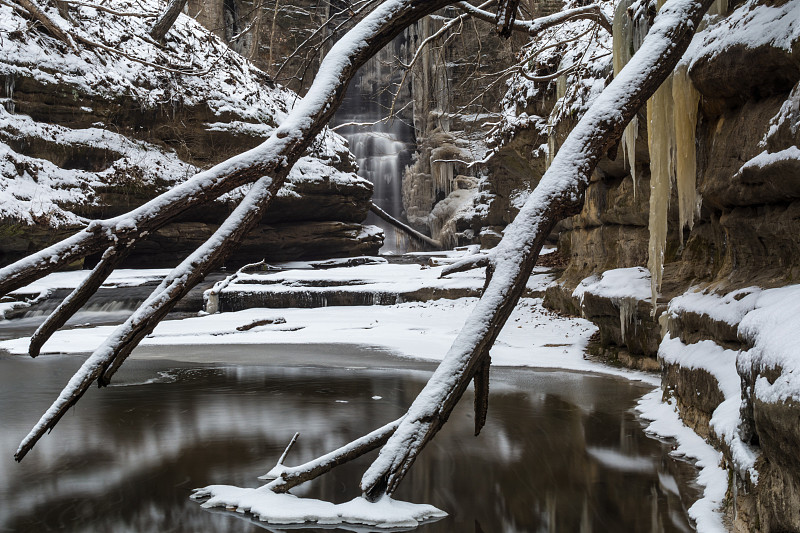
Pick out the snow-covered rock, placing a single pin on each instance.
(93, 131)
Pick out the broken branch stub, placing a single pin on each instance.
(559, 194)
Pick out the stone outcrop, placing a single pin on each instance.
(444, 191)
(74, 150)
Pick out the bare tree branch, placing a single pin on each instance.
(293, 476)
(50, 25)
(536, 26)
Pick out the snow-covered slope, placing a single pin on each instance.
(97, 126)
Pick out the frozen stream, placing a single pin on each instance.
(561, 451)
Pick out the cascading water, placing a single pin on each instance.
(382, 149)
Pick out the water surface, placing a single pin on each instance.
(561, 451)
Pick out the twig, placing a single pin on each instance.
(297, 475)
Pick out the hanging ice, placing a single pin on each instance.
(685, 98)
(671, 123)
(628, 36)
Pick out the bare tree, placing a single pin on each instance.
(558, 195)
(167, 19)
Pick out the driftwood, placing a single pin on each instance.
(405, 228)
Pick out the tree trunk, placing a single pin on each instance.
(159, 30)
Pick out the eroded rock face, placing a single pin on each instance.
(81, 142)
(745, 234)
(276, 242)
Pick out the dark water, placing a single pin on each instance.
(561, 452)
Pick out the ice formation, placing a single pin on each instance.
(685, 99)
(628, 35)
(671, 123)
(661, 144)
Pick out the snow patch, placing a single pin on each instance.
(665, 423)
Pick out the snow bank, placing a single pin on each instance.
(746, 26)
(721, 364)
(666, 423)
(768, 320)
(729, 308)
(375, 278)
(122, 277)
(617, 284)
(773, 329)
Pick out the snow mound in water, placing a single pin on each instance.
(285, 509)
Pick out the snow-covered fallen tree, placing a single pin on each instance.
(559, 194)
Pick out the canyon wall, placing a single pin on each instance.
(86, 134)
(721, 327)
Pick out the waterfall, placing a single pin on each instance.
(382, 149)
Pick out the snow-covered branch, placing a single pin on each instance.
(559, 194)
(536, 26)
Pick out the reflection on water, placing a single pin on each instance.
(561, 452)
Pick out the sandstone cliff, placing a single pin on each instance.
(91, 133)
(722, 326)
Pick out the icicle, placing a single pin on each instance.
(660, 141)
(671, 123)
(561, 84)
(627, 37)
(561, 91)
(627, 315)
(685, 98)
(9, 99)
(401, 241)
(443, 176)
(551, 145)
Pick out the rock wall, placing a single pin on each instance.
(79, 140)
(744, 240)
(457, 82)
